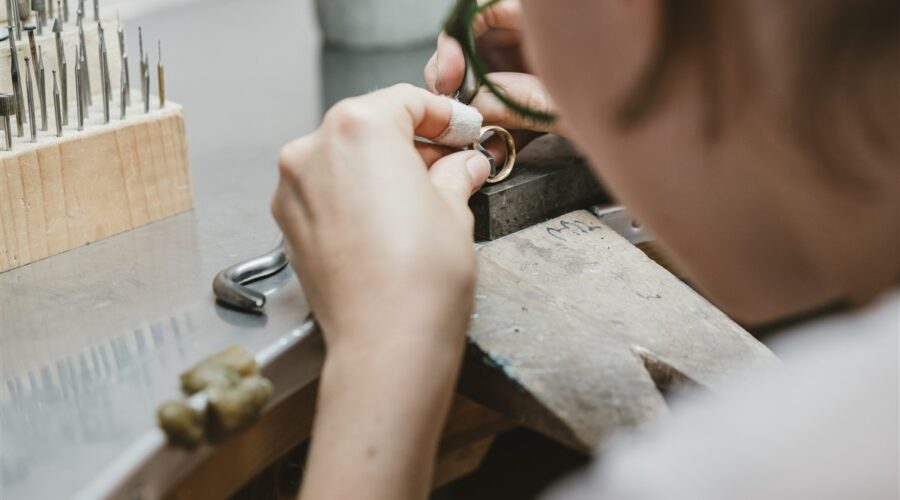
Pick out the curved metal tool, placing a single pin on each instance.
(229, 284)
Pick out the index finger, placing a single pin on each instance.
(415, 111)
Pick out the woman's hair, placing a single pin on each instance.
(837, 48)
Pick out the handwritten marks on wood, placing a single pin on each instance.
(591, 331)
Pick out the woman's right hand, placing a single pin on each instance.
(498, 34)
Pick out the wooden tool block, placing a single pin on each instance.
(59, 194)
(578, 334)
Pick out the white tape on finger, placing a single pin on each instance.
(464, 128)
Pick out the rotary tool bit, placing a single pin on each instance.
(161, 76)
(63, 68)
(79, 91)
(86, 84)
(39, 7)
(8, 107)
(80, 70)
(147, 84)
(29, 30)
(96, 10)
(12, 18)
(42, 90)
(57, 108)
(29, 88)
(123, 95)
(143, 63)
(104, 55)
(126, 74)
(65, 10)
(104, 83)
(16, 84)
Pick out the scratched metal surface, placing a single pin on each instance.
(93, 339)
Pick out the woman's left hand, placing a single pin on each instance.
(379, 232)
(378, 227)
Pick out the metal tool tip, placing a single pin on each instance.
(57, 25)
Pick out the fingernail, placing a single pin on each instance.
(479, 168)
(437, 71)
(429, 73)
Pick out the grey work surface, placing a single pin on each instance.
(91, 340)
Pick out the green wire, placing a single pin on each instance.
(459, 26)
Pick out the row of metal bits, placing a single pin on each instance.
(82, 90)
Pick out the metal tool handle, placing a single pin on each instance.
(228, 285)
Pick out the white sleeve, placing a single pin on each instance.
(824, 427)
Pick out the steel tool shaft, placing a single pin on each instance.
(57, 106)
(8, 108)
(161, 76)
(147, 84)
(16, 83)
(63, 68)
(79, 90)
(123, 53)
(32, 45)
(42, 89)
(86, 83)
(29, 88)
(104, 83)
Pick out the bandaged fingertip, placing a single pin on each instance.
(464, 128)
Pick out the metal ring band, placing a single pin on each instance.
(510, 152)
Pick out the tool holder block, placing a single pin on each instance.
(61, 193)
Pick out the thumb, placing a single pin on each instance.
(458, 175)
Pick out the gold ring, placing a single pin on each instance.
(510, 151)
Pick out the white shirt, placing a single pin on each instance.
(822, 427)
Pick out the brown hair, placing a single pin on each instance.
(837, 43)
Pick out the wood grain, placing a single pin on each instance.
(59, 194)
(584, 331)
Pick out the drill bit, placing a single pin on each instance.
(141, 55)
(16, 84)
(96, 10)
(104, 56)
(65, 10)
(80, 89)
(57, 107)
(161, 76)
(29, 87)
(123, 52)
(13, 20)
(50, 13)
(31, 43)
(79, 92)
(104, 83)
(123, 95)
(42, 90)
(63, 68)
(86, 84)
(7, 108)
(147, 85)
(39, 7)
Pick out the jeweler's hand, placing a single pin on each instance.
(498, 34)
(376, 235)
(380, 235)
